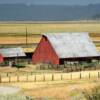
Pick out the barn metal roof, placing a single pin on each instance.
(69, 45)
(12, 52)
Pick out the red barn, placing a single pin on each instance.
(56, 48)
(1, 58)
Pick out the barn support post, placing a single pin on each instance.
(16, 59)
(76, 67)
(81, 67)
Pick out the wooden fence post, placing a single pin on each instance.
(89, 75)
(80, 75)
(43, 77)
(61, 77)
(7, 74)
(17, 78)
(98, 74)
(71, 76)
(35, 78)
(27, 77)
(52, 77)
(9, 79)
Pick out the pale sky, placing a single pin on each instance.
(57, 2)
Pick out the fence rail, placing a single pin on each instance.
(50, 77)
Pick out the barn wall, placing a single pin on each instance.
(1, 59)
(61, 61)
(44, 53)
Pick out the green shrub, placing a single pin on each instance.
(19, 65)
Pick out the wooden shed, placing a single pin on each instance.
(12, 54)
(56, 48)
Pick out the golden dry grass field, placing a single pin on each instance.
(38, 28)
(56, 90)
(63, 91)
(14, 33)
(19, 40)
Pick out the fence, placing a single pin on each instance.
(50, 77)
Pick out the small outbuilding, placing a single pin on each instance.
(56, 48)
(12, 54)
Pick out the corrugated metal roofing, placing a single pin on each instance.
(69, 45)
(12, 52)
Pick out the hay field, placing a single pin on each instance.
(38, 28)
(14, 33)
(19, 40)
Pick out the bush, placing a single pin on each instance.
(19, 66)
(94, 95)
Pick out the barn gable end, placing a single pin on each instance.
(45, 53)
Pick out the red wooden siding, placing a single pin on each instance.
(45, 53)
(1, 58)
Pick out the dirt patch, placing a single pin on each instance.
(8, 90)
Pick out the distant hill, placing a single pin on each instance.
(22, 12)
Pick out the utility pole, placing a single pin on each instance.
(26, 35)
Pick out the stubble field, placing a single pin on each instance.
(38, 28)
(15, 32)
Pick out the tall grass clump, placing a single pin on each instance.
(93, 95)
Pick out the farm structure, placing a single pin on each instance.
(1, 58)
(12, 54)
(58, 48)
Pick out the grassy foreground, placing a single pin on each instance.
(56, 90)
